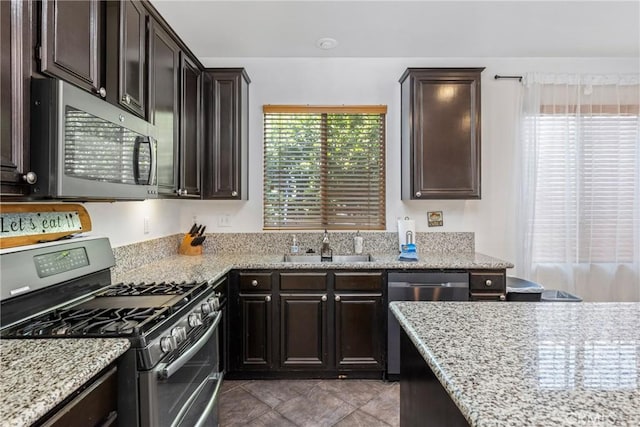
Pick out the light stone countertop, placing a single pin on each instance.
(213, 266)
(532, 364)
(38, 374)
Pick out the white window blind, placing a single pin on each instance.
(587, 186)
(324, 167)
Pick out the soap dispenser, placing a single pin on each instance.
(358, 243)
(294, 245)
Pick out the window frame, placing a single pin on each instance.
(325, 215)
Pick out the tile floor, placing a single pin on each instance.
(310, 403)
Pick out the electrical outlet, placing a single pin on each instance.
(224, 220)
(145, 228)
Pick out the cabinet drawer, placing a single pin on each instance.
(359, 281)
(487, 281)
(488, 296)
(255, 281)
(303, 281)
(94, 406)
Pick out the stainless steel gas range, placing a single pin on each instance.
(173, 371)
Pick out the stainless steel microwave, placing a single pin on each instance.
(85, 148)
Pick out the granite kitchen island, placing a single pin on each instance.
(519, 364)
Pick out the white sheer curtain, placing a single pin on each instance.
(578, 166)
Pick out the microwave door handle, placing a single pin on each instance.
(136, 160)
(165, 371)
(153, 146)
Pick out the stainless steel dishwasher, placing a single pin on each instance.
(419, 286)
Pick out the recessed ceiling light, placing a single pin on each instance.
(326, 43)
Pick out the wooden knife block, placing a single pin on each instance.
(186, 248)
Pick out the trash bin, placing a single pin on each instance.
(523, 290)
(553, 295)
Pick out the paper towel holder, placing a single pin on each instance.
(406, 232)
(409, 237)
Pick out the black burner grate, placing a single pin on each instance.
(90, 322)
(162, 288)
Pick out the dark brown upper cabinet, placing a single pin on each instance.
(440, 133)
(16, 17)
(71, 42)
(190, 121)
(164, 77)
(225, 166)
(127, 55)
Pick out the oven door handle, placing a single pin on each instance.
(165, 371)
(211, 404)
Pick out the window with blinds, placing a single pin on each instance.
(587, 187)
(324, 167)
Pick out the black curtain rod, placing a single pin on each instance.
(498, 77)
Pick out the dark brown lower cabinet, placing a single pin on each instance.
(94, 405)
(359, 321)
(256, 331)
(323, 324)
(303, 331)
(487, 285)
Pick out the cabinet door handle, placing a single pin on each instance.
(267, 298)
(254, 282)
(488, 283)
(102, 92)
(126, 98)
(418, 194)
(30, 177)
(337, 298)
(182, 192)
(234, 193)
(324, 298)
(502, 297)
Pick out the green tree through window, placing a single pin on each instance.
(324, 167)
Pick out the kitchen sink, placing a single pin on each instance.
(335, 258)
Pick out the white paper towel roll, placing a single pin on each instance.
(406, 227)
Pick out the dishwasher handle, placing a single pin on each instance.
(428, 278)
(429, 285)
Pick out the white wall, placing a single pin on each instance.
(331, 81)
(123, 222)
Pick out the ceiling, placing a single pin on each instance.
(419, 28)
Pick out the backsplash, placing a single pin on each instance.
(138, 254)
(340, 242)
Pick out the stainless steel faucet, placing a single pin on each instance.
(326, 254)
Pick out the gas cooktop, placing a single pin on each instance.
(117, 311)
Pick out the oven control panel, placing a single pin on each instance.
(60, 261)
